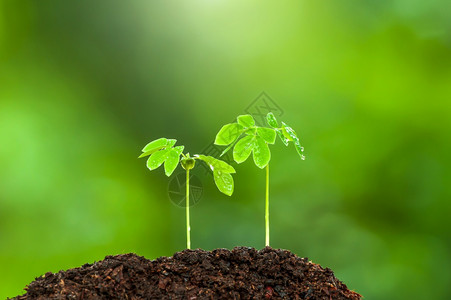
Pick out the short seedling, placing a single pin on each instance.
(245, 138)
(163, 151)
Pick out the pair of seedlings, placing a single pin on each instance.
(244, 137)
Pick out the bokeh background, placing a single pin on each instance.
(85, 85)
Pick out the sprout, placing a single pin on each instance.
(163, 151)
(246, 138)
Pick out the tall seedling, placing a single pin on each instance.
(246, 138)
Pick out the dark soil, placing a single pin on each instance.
(242, 273)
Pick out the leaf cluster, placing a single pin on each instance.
(246, 138)
(163, 150)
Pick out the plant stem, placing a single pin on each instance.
(267, 206)
(188, 228)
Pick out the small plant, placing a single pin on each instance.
(163, 151)
(246, 138)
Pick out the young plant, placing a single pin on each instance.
(246, 138)
(163, 151)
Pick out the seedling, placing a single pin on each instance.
(163, 151)
(246, 138)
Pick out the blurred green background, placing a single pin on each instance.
(366, 84)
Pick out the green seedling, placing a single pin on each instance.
(163, 151)
(246, 138)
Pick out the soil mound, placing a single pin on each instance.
(241, 273)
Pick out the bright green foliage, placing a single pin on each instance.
(246, 121)
(261, 152)
(268, 134)
(246, 138)
(255, 141)
(157, 145)
(286, 134)
(163, 151)
(229, 133)
(221, 173)
(243, 148)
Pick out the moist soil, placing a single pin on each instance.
(241, 273)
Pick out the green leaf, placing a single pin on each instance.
(227, 149)
(216, 164)
(246, 121)
(262, 155)
(287, 130)
(171, 142)
(282, 137)
(271, 120)
(171, 161)
(268, 134)
(150, 152)
(251, 131)
(224, 182)
(243, 148)
(155, 144)
(299, 149)
(157, 158)
(179, 149)
(228, 134)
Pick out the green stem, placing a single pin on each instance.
(267, 206)
(188, 228)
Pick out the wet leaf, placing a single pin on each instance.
(216, 164)
(262, 155)
(269, 135)
(171, 142)
(271, 120)
(155, 144)
(150, 152)
(171, 161)
(282, 137)
(246, 121)
(157, 158)
(228, 134)
(224, 182)
(299, 149)
(243, 148)
(289, 132)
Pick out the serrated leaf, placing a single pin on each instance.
(269, 135)
(243, 148)
(282, 137)
(228, 134)
(262, 155)
(271, 120)
(157, 158)
(224, 182)
(216, 164)
(161, 142)
(171, 161)
(246, 121)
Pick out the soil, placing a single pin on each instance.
(241, 273)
